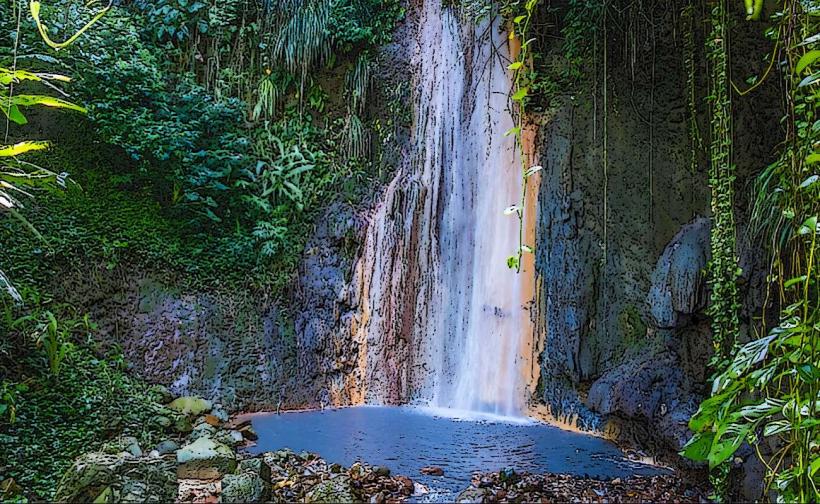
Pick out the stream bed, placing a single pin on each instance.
(405, 439)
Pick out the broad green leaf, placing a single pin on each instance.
(46, 101)
(809, 80)
(14, 114)
(21, 148)
(722, 449)
(776, 427)
(515, 65)
(520, 94)
(813, 158)
(809, 226)
(808, 372)
(34, 7)
(518, 19)
(806, 60)
(704, 418)
(699, 446)
(814, 467)
(8, 76)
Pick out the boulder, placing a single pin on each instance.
(244, 487)
(337, 489)
(104, 477)
(472, 495)
(202, 429)
(256, 466)
(191, 405)
(205, 459)
(678, 284)
(229, 437)
(166, 447)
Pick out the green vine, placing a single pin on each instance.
(521, 85)
(723, 267)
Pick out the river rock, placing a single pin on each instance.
(205, 459)
(432, 471)
(166, 447)
(104, 477)
(336, 489)
(191, 405)
(406, 486)
(244, 487)
(202, 429)
(132, 446)
(256, 466)
(229, 437)
(472, 495)
(250, 434)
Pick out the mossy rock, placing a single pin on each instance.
(205, 459)
(191, 405)
(244, 487)
(101, 477)
(336, 489)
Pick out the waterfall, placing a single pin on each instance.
(441, 318)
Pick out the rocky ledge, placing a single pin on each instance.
(508, 486)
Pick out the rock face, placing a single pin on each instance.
(102, 477)
(623, 240)
(230, 346)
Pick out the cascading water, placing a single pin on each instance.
(441, 316)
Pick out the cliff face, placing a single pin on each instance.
(623, 234)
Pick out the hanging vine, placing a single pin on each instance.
(723, 267)
(521, 24)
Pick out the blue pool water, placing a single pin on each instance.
(406, 439)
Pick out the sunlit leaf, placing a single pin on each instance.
(21, 148)
(520, 94)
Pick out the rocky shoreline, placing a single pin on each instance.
(201, 459)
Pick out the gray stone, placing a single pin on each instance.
(678, 283)
(205, 459)
(471, 495)
(229, 437)
(244, 487)
(166, 447)
(256, 466)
